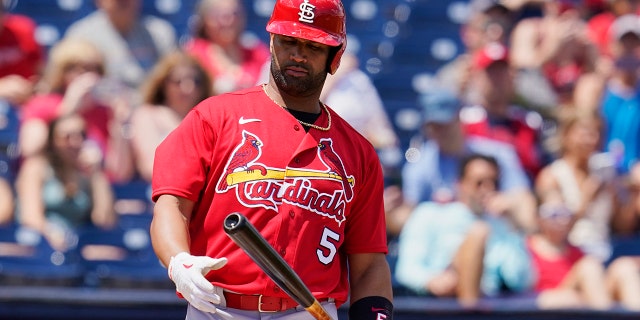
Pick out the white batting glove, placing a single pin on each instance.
(188, 272)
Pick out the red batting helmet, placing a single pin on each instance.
(321, 21)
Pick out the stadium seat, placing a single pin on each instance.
(133, 197)
(121, 258)
(624, 246)
(26, 258)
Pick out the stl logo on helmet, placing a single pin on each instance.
(306, 13)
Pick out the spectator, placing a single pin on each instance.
(172, 89)
(584, 179)
(554, 50)
(21, 60)
(431, 172)
(21, 57)
(566, 277)
(495, 116)
(74, 83)
(234, 61)
(489, 21)
(621, 102)
(58, 192)
(132, 43)
(351, 93)
(586, 182)
(462, 249)
(599, 25)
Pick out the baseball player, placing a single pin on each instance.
(308, 182)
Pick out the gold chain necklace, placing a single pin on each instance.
(264, 88)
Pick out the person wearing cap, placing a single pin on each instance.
(492, 113)
(488, 21)
(461, 249)
(308, 182)
(620, 102)
(431, 170)
(598, 26)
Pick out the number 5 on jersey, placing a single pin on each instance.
(329, 246)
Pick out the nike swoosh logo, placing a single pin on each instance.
(187, 266)
(373, 309)
(242, 120)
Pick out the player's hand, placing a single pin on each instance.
(188, 271)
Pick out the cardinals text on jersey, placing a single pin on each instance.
(257, 185)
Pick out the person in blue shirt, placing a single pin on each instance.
(431, 170)
(621, 98)
(463, 249)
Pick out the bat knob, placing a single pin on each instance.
(233, 221)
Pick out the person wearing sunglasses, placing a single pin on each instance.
(464, 249)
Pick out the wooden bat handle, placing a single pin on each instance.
(245, 235)
(318, 312)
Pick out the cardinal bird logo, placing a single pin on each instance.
(243, 157)
(330, 158)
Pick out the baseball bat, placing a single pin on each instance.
(245, 235)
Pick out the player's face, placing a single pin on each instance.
(299, 67)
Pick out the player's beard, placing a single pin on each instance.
(296, 86)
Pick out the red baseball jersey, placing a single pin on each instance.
(316, 197)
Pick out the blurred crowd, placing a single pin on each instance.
(525, 174)
(522, 177)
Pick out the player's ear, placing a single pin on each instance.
(332, 54)
(271, 42)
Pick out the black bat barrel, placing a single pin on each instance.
(245, 235)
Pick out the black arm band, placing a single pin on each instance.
(371, 308)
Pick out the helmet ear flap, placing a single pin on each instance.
(335, 54)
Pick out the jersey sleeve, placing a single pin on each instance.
(183, 158)
(365, 231)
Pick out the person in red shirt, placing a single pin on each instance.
(494, 116)
(21, 57)
(569, 278)
(74, 82)
(308, 181)
(219, 47)
(566, 278)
